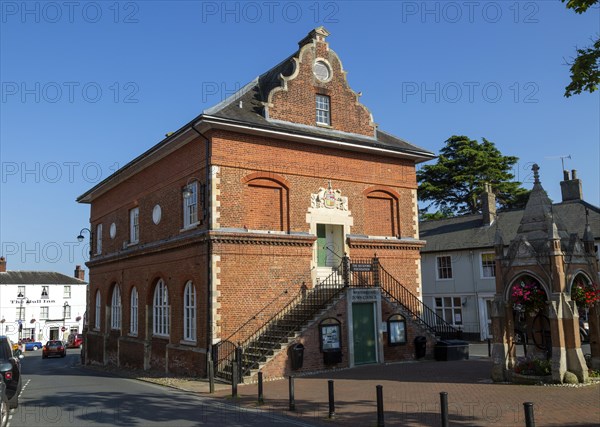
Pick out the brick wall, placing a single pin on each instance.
(296, 103)
(253, 278)
(162, 183)
(131, 353)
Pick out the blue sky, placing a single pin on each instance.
(88, 86)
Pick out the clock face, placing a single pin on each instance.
(321, 71)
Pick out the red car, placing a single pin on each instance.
(75, 341)
(54, 348)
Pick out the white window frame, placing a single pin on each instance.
(483, 268)
(44, 312)
(160, 310)
(115, 308)
(97, 311)
(323, 109)
(455, 307)
(67, 291)
(134, 225)
(133, 319)
(66, 311)
(21, 313)
(447, 267)
(98, 239)
(190, 205)
(189, 312)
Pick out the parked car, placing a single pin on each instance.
(30, 345)
(3, 405)
(54, 348)
(75, 341)
(10, 370)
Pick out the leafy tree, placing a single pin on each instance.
(455, 183)
(585, 75)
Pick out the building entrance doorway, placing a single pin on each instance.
(53, 333)
(363, 333)
(330, 245)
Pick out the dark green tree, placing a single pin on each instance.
(585, 75)
(455, 183)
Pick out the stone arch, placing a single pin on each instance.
(506, 293)
(577, 274)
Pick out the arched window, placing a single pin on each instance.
(133, 319)
(381, 213)
(115, 310)
(161, 310)
(266, 202)
(97, 311)
(189, 312)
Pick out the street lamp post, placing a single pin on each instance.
(80, 238)
(65, 309)
(21, 298)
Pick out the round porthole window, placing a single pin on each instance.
(321, 71)
(156, 214)
(113, 230)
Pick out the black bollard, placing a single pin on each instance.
(529, 421)
(380, 422)
(489, 347)
(261, 398)
(331, 399)
(234, 377)
(444, 408)
(292, 400)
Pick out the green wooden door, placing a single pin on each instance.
(321, 243)
(363, 325)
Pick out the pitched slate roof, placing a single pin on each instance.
(38, 278)
(469, 232)
(246, 105)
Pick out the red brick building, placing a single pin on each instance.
(234, 229)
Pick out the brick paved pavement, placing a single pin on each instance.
(411, 397)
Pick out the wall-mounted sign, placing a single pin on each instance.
(364, 295)
(330, 332)
(361, 267)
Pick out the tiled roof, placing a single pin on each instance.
(38, 278)
(469, 232)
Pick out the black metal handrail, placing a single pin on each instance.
(223, 352)
(256, 315)
(283, 324)
(414, 306)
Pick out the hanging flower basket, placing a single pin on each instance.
(585, 294)
(528, 297)
(78, 318)
(32, 321)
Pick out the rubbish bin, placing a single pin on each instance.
(297, 355)
(451, 350)
(420, 347)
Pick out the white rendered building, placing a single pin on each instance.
(41, 305)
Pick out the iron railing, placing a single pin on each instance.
(257, 347)
(420, 311)
(303, 306)
(223, 352)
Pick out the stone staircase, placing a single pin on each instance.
(283, 328)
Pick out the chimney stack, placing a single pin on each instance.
(2, 265)
(79, 273)
(488, 204)
(570, 188)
